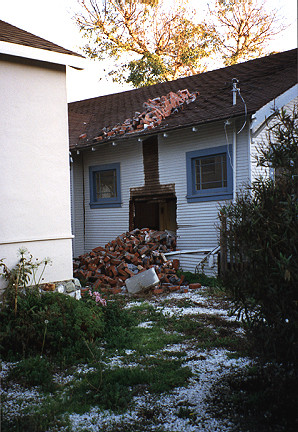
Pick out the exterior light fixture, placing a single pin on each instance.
(114, 144)
(165, 135)
(195, 129)
(93, 149)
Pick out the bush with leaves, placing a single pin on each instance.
(261, 234)
(33, 371)
(51, 324)
(28, 272)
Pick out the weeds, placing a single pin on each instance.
(34, 371)
(21, 277)
(261, 398)
(52, 324)
(120, 361)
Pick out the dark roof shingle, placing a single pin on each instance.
(15, 35)
(260, 81)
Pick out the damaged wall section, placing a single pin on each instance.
(152, 205)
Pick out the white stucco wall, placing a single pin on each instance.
(34, 165)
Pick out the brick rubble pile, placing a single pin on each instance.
(155, 110)
(107, 268)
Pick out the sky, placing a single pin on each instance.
(53, 20)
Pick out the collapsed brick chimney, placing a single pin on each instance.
(152, 205)
(155, 110)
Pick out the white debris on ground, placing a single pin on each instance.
(201, 306)
(20, 400)
(207, 367)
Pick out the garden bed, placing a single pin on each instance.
(156, 369)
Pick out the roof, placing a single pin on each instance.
(15, 35)
(20, 43)
(260, 81)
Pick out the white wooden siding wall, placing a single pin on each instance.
(78, 206)
(257, 171)
(196, 221)
(104, 224)
(189, 262)
(72, 204)
(290, 106)
(261, 137)
(243, 149)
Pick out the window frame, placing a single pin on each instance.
(104, 202)
(212, 194)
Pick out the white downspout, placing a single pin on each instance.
(234, 161)
(249, 154)
(235, 90)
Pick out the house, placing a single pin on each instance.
(169, 155)
(34, 162)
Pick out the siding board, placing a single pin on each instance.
(196, 221)
(77, 205)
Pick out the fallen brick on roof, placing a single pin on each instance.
(260, 80)
(155, 110)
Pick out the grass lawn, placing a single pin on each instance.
(169, 364)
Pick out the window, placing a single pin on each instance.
(105, 186)
(209, 174)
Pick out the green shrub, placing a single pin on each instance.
(262, 237)
(114, 388)
(52, 324)
(260, 398)
(204, 280)
(27, 273)
(33, 371)
(118, 326)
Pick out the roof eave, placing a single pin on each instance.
(266, 111)
(75, 61)
(146, 133)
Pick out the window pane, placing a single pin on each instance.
(211, 172)
(106, 185)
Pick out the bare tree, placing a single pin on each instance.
(148, 42)
(243, 28)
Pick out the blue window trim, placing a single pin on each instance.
(214, 194)
(104, 202)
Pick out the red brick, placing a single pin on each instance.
(98, 249)
(194, 286)
(113, 271)
(176, 264)
(92, 267)
(111, 281)
(97, 284)
(173, 287)
(158, 290)
(116, 290)
(122, 272)
(84, 291)
(129, 272)
(182, 278)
